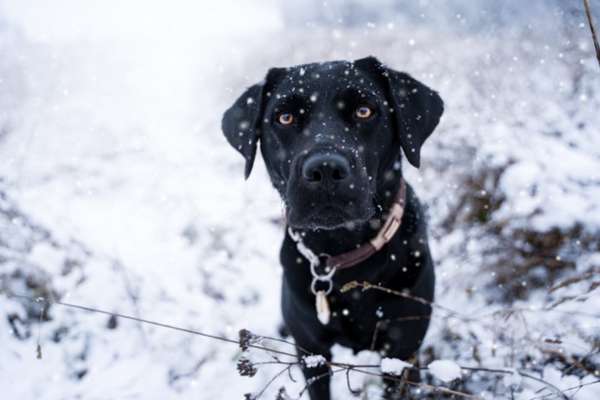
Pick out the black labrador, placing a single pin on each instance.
(331, 136)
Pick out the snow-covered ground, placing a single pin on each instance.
(117, 191)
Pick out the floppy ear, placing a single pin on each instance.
(242, 121)
(417, 108)
(241, 124)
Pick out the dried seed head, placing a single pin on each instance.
(246, 368)
(246, 338)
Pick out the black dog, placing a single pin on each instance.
(331, 137)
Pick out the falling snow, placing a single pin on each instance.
(117, 191)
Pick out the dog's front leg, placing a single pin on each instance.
(314, 353)
(317, 377)
(313, 346)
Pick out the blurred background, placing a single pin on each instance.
(118, 191)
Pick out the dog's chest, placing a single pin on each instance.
(354, 318)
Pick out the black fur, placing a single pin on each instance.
(339, 210)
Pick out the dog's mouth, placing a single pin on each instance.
(329, 216)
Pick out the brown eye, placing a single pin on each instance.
(363, 112)
(285, 119)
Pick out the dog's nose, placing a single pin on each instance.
(329, 167)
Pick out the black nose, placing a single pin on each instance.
(328, 167)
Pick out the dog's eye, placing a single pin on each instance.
(285, 118)
(363, 112)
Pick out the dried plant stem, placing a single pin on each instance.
(547, 396)
(273, 379)
(38, 347)
(368, 285)
(155, 323)
(421, 385)
(588, 13)
(559, 393)
(363, 369)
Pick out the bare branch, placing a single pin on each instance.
(545, 396)
(317, 378)
(273, 379)
(588, 13)
(556, 390)
(355, 392)
(155, 323)
(248, 340)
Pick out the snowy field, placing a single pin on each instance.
(118, 191)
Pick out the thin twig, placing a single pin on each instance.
(588, 13)
(365, 285)
(155, 323)
(355, 392)
(274, 339)
(421, 385)
(555, 389)
(316, 378)
(273, 379)
(133, 296)
(275, 362)
(544, 396)
(341, 366)
(38, 347)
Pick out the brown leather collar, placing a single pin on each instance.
(385, 234)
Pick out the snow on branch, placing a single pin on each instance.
(387, 369)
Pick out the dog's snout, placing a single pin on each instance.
(329, 167)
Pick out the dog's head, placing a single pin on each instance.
(331, 135)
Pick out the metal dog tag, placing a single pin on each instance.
(322, 307)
